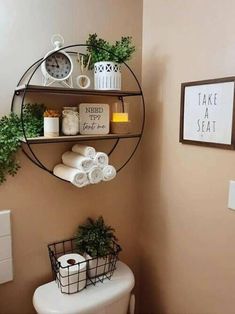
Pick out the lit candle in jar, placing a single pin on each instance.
(120, 117)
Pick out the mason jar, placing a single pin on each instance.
(70, 121)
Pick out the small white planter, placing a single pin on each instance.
(97, 266)
(107, 75)
(51, 127)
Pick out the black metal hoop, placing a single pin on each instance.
(37, 64)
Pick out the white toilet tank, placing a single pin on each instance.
(110, 297)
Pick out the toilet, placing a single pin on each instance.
(110, 297)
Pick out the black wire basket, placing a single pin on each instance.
(77, 275)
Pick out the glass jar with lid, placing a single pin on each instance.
(70, 121)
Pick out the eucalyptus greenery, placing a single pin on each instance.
(11, 133)
(119, 52)
(95, 238)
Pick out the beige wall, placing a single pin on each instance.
(186, 232)
(45, 209)
(188, 250)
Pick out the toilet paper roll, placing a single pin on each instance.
(72, 273)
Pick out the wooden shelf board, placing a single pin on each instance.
(74, 91)
(77, 138)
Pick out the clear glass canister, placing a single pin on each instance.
(70, 121)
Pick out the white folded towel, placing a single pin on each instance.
(75, 160)
(95, 175)
(84, 150)
(101, 159)
(75, 176)
(109, 173)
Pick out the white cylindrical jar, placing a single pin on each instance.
(51, 126)
(70, 121)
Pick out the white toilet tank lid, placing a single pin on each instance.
(48, 299)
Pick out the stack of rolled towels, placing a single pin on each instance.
(83, 166)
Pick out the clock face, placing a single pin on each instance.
(58, 66)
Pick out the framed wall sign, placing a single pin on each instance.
(207, 113)
(94, 118)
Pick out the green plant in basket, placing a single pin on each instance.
(95, 238)
(11, 133)
(102, 50)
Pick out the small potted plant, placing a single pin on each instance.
(51, 123)
(95, 241)
(106, 59)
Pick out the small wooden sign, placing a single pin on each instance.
(94, 118)
(207, 113)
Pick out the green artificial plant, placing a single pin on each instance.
(95, 238)
(119, 52)
(11, 133)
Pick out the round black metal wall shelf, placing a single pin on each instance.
(22, 90)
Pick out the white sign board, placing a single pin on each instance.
(207, 112)
(94, 118)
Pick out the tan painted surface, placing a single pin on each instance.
(186, 235)
(45, 209)
(187, 249)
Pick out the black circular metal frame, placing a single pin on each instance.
(37, 64)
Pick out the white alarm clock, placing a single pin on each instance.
(58, 66)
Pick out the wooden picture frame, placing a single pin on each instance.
(207, 113)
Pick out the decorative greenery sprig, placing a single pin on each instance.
(33, 119)
(119, 52)
(11, 133)
(95, 238)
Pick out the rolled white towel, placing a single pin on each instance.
(101, 159)
(75, 176)
(84, 150)
(78, 161)
(95, 175)
(109, 173)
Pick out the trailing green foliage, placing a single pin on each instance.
(11, 133)
(119, 52)
(95, 238)
(9, 144)
(33, 119)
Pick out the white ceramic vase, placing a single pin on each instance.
(97, 266)
(107, 75)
